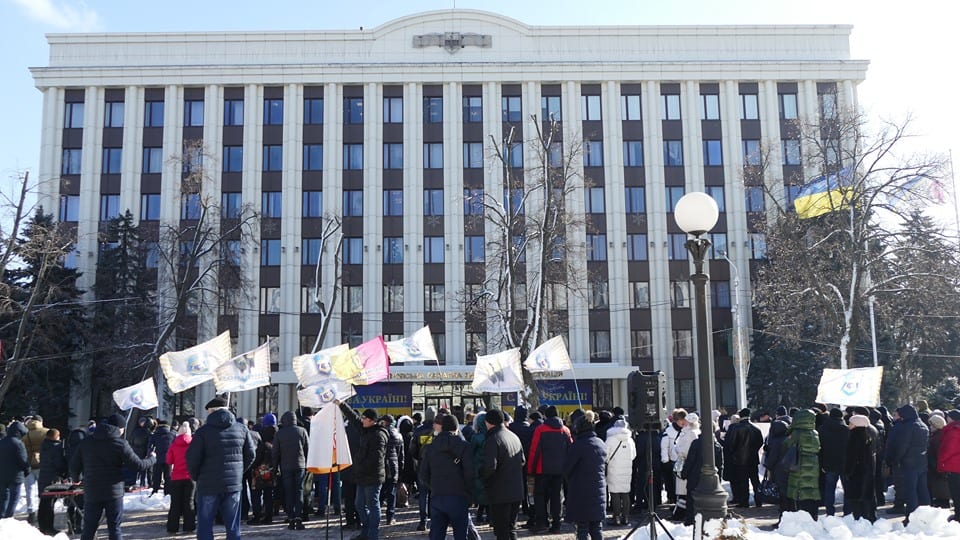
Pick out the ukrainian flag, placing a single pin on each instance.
(824, 194)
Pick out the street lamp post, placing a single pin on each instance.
(696, 213)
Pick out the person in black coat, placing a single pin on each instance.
(522, 429)
(585, 472)
(743, 443)
(648, 440)
(53, 466)
(907, 451)
(140, 442)
(218, 455)
(859, 465)
(447, 470)
(369, 468)
(160, 442)
(773, 456)
(348, 484)
(101, 459)
(263, 478)
(502, 473)
(290, 447)
(14, 467)
(393, 464)
(833, 451)
(691, 471)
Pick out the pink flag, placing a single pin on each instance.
(372, 355)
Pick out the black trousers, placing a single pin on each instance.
(44, 511)
(503, 519)
(547, 489)
(161, 477)
(181, 506)
(349, 502)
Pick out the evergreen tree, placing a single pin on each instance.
(44, 326)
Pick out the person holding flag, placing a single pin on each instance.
(369, 467)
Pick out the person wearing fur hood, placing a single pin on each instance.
(688, 435)
(621, 451)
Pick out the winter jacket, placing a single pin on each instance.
(548, 448)
(804, 484)
(409, 472)
(621, 451)
(290, 445)
(176, 457)
(859, 463)
(394, 455)
(448, 467)
(522, 429)
(421, 437)
(353, 441)
(101, 459)
(586, 481)
(368, 458)
(694, 462)
(936, 481)
(688, 435)
(668, 443)
(160, 442)
(833, 435)
(14, 463)
(53, 463)
(33, 441)
(773, 454)
(907, 445)
(948, 459)
(478, 441)
(221, 450)
(140, 439)
(744, 441)
(502, 469)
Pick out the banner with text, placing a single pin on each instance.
(850, 387)
(386, 398)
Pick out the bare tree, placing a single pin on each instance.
(527, 262)
(823, 272)
(327, 291)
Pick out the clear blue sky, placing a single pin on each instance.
(912, 47)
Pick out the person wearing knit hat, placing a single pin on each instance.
(954, 415)
(834, 434)
(859, 497)
(688, 434)
(422, 436)
(216, 403)
(548, 449)
(181, 486)
(502, 470)
(936, 481)
(269, 419)
(586, 482)
(448, 471)
(369, 467)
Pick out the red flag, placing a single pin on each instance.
(372, 355)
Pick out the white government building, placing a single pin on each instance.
(389, 127)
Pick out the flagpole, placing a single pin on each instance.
(576, 386)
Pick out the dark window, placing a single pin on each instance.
(473, 109)
(550, 108)
(313, 157)
(271, 204)
(270, 252)
(712, 153)
(511, 108)
(352, 110)
(112, 160)
(310, 251)
(710, 107)
(109, 207)
(433, 202)
(113, 114)
(231, 204)
(633, 153)
(670, 107)
(590, 107)
(352, 250)
(70, 163)
(433, 249)
(473, 249)
(673, 153)
(153, 114)
(272, 112)
(353, 203)
(630, 107)
(272, 157)
(232, 159)
(673, 196)
(472, 155)
(149, 207)
(432, 110)
(636, 200)
(593, 154)
(152, 160)
(393, 250)
(596, 247)
(720, 294)
(312, 111)
(233, 112)
(433, 156)
(393, 110)
(190, 206)
(636, 247)
(751, 152)
(393, 202)
(353, 157)
(73, 116)
(393, 155)
(69, 208)
(193, 113)
(749, 108)
(677, 247)
(312, 203)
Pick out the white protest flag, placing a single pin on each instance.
(142, 395)
(551, 355)
(245, 372)
(415, 348)
(188, 368)
(318, 366)
(329, 449)
(322, 392)
(850, 387)
(498, 372)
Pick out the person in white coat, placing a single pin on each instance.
(621, 451)
(668, 452)
(688, 435)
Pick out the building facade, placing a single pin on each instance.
(390, 130)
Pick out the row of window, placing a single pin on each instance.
(433, 156)
(511, 110)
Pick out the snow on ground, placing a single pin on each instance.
(925, 523)
(21, 530)
(140, 501)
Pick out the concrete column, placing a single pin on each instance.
(332, 196)
(373, 211)
(132, 151)
(579, 322)
(51, 151)
(90, 169)
(615, 205)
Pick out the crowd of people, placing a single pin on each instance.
(469, 468)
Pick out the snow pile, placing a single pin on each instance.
(925, 523)
(21, 530)
(144, 502)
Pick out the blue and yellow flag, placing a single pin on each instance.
(824, 194)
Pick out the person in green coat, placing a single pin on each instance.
(477, 441)
(803, 482)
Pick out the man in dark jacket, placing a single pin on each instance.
(75, 504)
(290, 447)
(221, 450)
(907, 451)
(422, 436)
(369, 473)
(743, 442)
(14, 467)
(393, 465)
(160, 442)
(140, 442)
(502, 473)
(53, 465)
(548, 449)
(447, 471)
(521, 428)
(834, 435)
(101, 459)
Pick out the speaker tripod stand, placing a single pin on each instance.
(652, 518)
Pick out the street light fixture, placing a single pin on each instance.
(696, 213)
